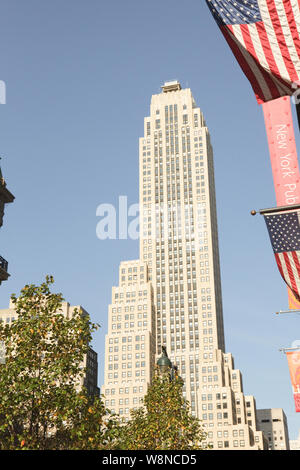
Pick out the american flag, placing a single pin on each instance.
(264, 36)
(284, 231)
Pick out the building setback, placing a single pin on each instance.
(179, 252)
(130, 342)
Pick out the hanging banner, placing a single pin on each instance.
(284, 160)
(293, 358)
(283, 152)
(294, 304)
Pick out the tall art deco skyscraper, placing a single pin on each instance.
(177, 303)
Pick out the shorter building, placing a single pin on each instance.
(130, 342)
(5, 198)
(228, 415)
(295, 443)
(90, 361)
(273, 423)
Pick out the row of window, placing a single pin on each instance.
(127, 365)
(225, 433)
(124, 357)
(225, 444)
(172, 166)
(139, 324)
(170, 118)
(126, 316)
(132, 270)
(133, 278)
(120, 295)
(209, 406)
(211, 416)
(7, 319)
(126, 374)
(129, 309)
(122, 401)
(159, 133)
(127, 339)
(125, 390)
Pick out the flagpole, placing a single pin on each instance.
(298, 113)
(276, 209)
(288, 311)
(289, 349)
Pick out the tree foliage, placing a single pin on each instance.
(165, 421)
(43, 404)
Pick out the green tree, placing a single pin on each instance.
(165, 421)
(43, 404)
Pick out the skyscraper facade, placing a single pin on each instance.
(179, 250)
(179, 238)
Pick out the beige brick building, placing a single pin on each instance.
(179, 252)
(273, 423)
(130, 342)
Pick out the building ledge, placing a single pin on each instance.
(5, 195)
(3, 270)
(171, 86)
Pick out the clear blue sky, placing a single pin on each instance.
(79, 77)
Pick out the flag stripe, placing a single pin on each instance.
(288, 28)
(242, 61)
(252, 65)
(286, 272)
(294, 266)
(295, 4)
(290, 273)
(273, 52)
(273, 40)
(278, 261)
(292, 25)
(276, 27)
(296, 262)
(251, 37)
(256, 68)
(277, 70)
